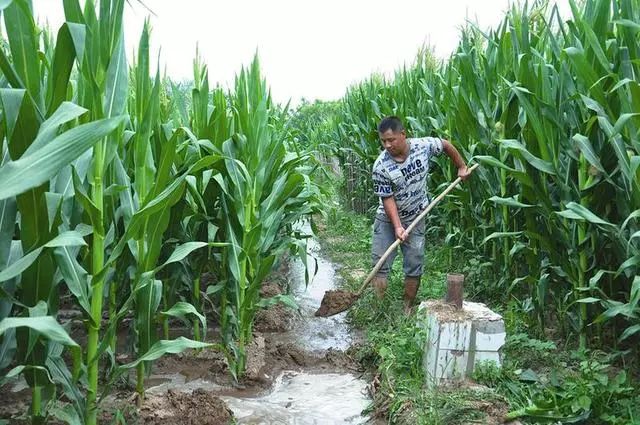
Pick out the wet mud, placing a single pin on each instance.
(335, 302)
(199, 407)
(277, 318)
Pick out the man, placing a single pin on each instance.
(400, 180)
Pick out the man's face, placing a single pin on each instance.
(394, 143)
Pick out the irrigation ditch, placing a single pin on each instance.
(300, 368)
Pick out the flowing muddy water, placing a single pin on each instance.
(302, 396)
(316, 334)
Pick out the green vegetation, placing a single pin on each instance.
(119, 193)
(122, 190)
(550, 110)
(546, 231)
(539, 381)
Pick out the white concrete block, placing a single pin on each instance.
(458, 339)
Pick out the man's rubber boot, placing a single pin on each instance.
(380, 286)
(411, 285)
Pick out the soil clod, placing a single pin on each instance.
(335, 302)
(175, 407)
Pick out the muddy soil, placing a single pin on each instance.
(335, 302)
(288, 356)
(277, 318)
(208, 364)
(200, 407)
(14, 403)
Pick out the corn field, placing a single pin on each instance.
(139, 201)
(551, 110)
(119, 190)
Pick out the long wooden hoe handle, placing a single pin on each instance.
(394, 246)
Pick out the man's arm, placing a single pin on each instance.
(391, 209)
(458, 161)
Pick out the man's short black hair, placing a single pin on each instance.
(391, 122)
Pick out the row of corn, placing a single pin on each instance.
(118, 190)
(550, 106)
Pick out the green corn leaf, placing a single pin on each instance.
(60, 374)
(286, 300)
(630, 331)
(593, 282)
(38, 167)
(147, 302)
(510, 202)
(78, 34)
(63, 59)
(12, 104)
(163, 347)
(587, 150)
(630, 262)
(67, 414)
(183, 251)
(496, 235)
(48, 328)
(8, 348)
(45, 325)
(116, 84)
(489, 160)
(66, 112)
(69, 238)
(595, 45)
(514, 145)
(628, 24)
(588, 300)
(214, 289)
(576, 211)
(12, 373)
(8, 214)
(87, 204)
(23, 43)
(622, 120)
(74, 275)
(182, 309)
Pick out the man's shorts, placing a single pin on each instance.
(412, 247)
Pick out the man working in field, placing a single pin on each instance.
(400, 180)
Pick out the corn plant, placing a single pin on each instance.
(263, 191)
(34, 111)
(550, 108)
(64, 166)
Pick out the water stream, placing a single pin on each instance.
(302, 398)
(308, 398)
(316, 334)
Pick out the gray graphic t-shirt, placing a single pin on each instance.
(405, 181)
